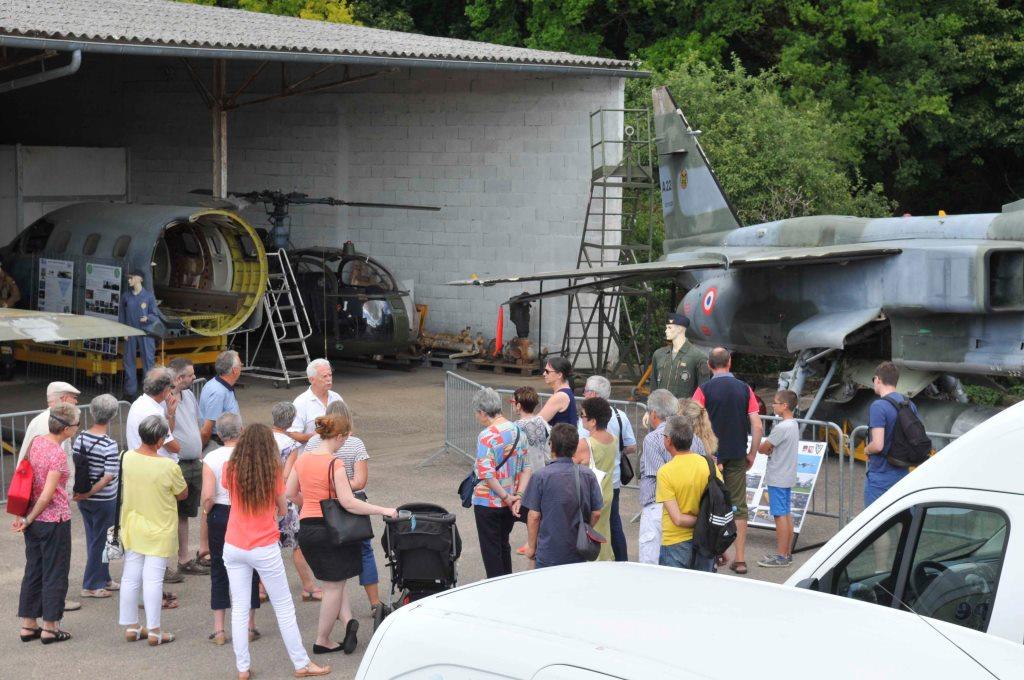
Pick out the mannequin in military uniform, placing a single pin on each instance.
(679, 368)
(9, 291)
(138, 310)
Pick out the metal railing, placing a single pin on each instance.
(461, 428)
(861, 433)
(12, 430)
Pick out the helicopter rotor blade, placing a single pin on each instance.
(396, 206)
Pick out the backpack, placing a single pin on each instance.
(626, 473)
(19, 493)
(80, 459)
(715, 529)
(910, 443)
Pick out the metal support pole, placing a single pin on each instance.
(220, 129)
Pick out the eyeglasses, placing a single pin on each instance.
(548, 370)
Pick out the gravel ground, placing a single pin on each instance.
(400, 417)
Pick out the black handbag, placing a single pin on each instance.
(343, 526)
(626, 473)
(467, 485)
(588, 540)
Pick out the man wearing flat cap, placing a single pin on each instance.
(679, 367)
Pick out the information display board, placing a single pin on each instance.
(809, 462)
(56, 285)
(102, 299)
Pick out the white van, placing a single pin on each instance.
(606, 620)
(946, 542)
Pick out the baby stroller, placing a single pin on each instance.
(421, 547)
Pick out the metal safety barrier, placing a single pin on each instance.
(461, 428)
(861, 433)
(12, 430)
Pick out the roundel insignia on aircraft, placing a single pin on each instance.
(707, 303)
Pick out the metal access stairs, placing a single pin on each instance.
(286, 325)
(599, 331)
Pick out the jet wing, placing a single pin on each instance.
(616, 275)
(22, 324)
(780, 257)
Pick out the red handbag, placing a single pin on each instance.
(19, 493)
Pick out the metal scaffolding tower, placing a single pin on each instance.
(600, 330)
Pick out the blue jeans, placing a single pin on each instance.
(97, 516)
(683, 556)
(368, 576)
(618, 536)
(878, 483)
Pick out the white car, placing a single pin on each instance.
(606, 620)
(946, 541)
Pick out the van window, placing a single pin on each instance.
(869, 572)
(955, 565)
(121, 245)
(91, 241)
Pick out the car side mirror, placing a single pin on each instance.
(808, 584)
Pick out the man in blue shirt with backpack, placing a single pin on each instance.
(883, 419)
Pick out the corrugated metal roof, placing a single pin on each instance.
(176, 24)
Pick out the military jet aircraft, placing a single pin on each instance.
(942, 296)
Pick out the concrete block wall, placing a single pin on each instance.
(506, 157)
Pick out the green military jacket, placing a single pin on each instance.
(682, 373)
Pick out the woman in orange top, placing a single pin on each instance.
(252, 477)
(308, 484)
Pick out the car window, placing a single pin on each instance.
(955, 566)
(869, 572)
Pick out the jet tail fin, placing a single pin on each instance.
(692, 200)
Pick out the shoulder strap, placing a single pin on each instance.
(331, 486)
(512, 451)
(711, 469)
(896, 404)
(579, 496)
(618, 419)
(120, 490)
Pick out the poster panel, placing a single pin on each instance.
(56, 285)
(809, 461)
(102, 299)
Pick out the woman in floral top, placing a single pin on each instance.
(497, 497)
(47, 531)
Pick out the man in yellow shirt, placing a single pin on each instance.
(681, 483)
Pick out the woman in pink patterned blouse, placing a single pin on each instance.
(47, 531)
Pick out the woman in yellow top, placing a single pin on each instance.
(598, 451)
(150, 487)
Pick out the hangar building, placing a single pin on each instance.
(201, 97)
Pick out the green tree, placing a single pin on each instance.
(336, 11)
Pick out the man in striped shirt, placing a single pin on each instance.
(661, 406)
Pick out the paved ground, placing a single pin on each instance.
(400, 417)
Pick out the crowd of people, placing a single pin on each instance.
(186, 457)
(258, 489)
(561, 464)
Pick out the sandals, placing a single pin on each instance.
(312, 671)
(135, 634)
(157, 639)
(218, 637)
(57, 636)
(738, 567)
(312, 595)
(169, 601)
(254, 635)
(113, 586)
(721, 560)
(99, 593)
(203, 558)
(34, 634)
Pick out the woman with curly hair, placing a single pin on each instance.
(704, 440)
(252, 477)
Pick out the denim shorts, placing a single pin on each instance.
(779, 500)
(682, 555)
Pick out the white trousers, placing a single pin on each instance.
(143, 573)
(267, 562)
(650, 533)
